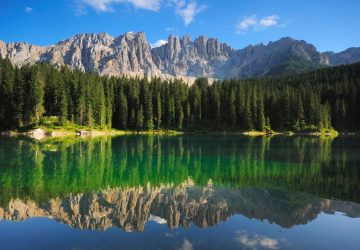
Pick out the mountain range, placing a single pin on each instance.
(130, 208)
(131, 54)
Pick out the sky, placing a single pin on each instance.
(331, 25)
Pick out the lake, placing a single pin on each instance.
(180, 192)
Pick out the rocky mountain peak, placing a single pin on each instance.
(185, 40)
(88, 39)
(130, 208)
(350, 55)
(183, 57)
(130, 54)
(133, 37)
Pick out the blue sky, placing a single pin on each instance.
(328, 24)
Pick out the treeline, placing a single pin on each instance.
(322, 99)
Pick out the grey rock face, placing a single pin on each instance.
(350, 55)
(259, 60)
(130, 54)
(202, 57)
(131, 208)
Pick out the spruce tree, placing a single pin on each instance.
(158, 110)
(140, 118)
(232, 108)
(248, 124)
(260, 124)
(123, 110)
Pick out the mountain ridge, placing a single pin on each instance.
(131, 54)
(131, 208)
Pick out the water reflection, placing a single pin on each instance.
(126, 181)
(131, 208)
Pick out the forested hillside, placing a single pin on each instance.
(322, 99)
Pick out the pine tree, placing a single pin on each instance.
(171, 112)
(260, 124)
(240, 105)
(36, 95)
(232, 108)
(216, 106)
(18, 99)
(187, 114)
(140, 118)
(300, 113)
(342, 117)
(286, 109)
(109, 101)
(158, 110)
(148, 108)
(101, 111)
(7, 106)
(248, 125)
(315, 111)
(90, 119)
(195, 105)
(63, 106)
(254, 108)
(325, 117)
(123, 110)
(179, 115)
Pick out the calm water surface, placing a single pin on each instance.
(181, 192)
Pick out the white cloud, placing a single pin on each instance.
(106, 5)
(188, 10)
(186, 245)
(158, 43)
(246, 23)
(256, 24)
(255, 241)
(28, 9)
(269, 21)
(157, 219)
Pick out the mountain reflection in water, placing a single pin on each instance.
(131, 208)
(126, 181)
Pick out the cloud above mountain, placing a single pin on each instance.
(107, 5)
(256, 24)
(187, 10)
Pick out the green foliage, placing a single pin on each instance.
(327, 98)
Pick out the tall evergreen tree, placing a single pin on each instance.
(123, 110)
(158, 110)
(140, 118)
(260, 124)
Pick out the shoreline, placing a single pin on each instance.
(43, 132)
